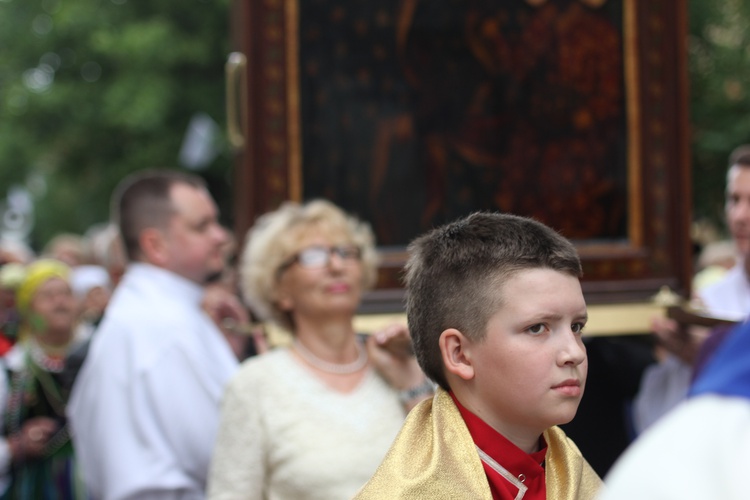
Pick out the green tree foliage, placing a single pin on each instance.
(91, 90)
(719, 65)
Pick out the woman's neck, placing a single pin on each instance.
(53, 342)
(331, 350)
(333, 340)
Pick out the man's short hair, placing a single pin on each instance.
(454, 272)
(740, 156)
(142, 200)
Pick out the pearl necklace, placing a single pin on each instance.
(336, 368)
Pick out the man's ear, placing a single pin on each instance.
(153, 246)
(456, 357)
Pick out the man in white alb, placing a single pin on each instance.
(145, 406)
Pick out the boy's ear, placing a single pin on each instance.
(456, 358)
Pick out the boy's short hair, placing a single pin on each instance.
(454, 271)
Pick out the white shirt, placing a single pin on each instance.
(698, 451)
(730, 297)
(285, 435)
(145, 406)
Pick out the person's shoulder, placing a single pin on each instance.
(695, 451)
(262, 377)
(727, 284)
(141, 314)
(131, 307)
(139, 341)
(14, 358)
(124, 326)
(268, 365)
(685, 428)
(729, 297)
(731, 415)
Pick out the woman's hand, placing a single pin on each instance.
(31, 440)
(232, 318)
(392, 356)
(221, 304)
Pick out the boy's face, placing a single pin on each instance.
(530, 370)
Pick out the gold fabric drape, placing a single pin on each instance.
(434, 457)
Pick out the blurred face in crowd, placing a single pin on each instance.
(738, 207)
(194, 239)
(52, 312)
(68, 253)
(94, 302)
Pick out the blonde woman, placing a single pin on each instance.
(314, 420)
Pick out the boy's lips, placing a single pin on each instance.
(570, 387)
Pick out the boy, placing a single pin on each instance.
(495, 310)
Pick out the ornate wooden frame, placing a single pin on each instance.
(266, 131)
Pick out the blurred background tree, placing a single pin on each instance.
(91, 90)
(719, 66)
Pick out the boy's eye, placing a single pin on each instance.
(577, 327)
(536, 329)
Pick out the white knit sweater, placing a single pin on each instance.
(285, 435)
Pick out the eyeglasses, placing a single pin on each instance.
(320, 256)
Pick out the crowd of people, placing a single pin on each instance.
(50, 308)
(721, 289)
(696, 399)
(136, 365)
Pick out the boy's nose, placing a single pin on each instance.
(573, 351)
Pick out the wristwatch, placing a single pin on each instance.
(423, 389)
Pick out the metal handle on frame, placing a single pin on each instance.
(236, 98)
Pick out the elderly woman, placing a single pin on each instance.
(37, 451)
(314, 420)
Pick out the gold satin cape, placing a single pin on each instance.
(434, 457)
